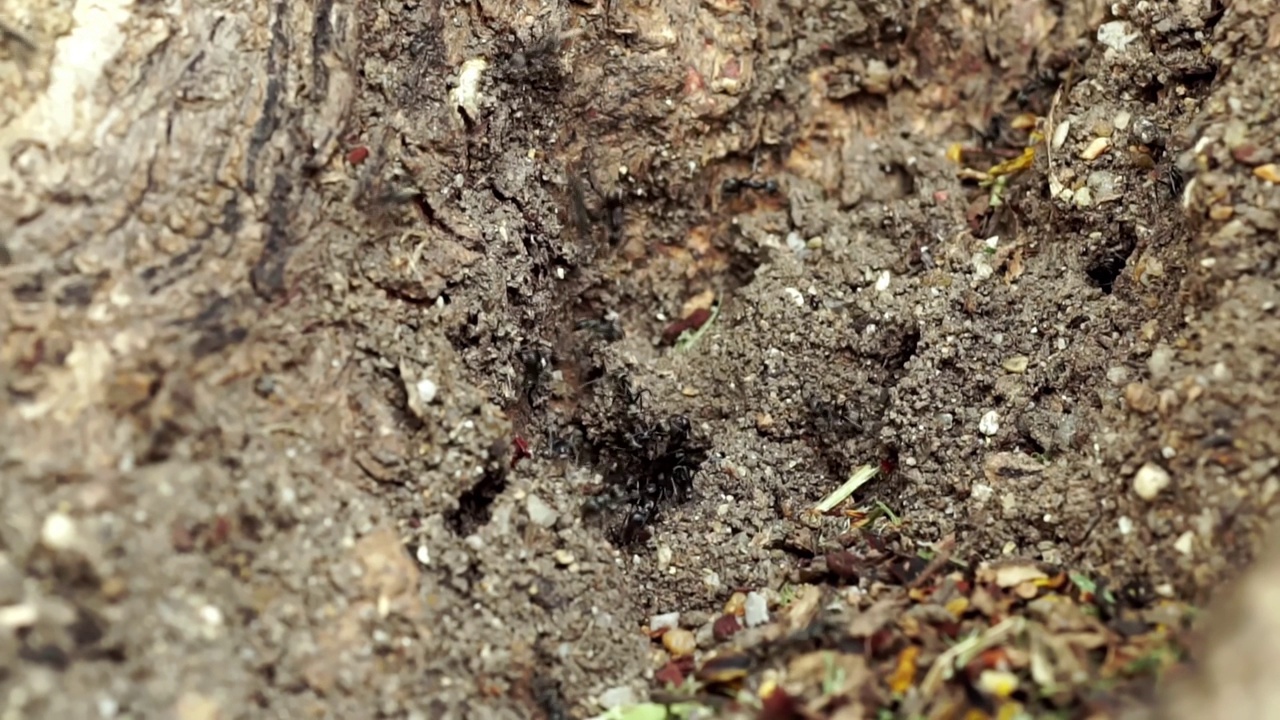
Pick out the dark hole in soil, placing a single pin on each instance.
(475, 506)
(1106, 268)
(549, 697)
(901, 349)
(1150, 92)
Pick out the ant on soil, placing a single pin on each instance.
(537, 366)
(647, 465)
(734, 186)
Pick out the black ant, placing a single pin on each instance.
(653, 465)
(733, 186)
(606, 328)
(1172, 178)
(537, 370)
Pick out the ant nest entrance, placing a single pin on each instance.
(648, 465)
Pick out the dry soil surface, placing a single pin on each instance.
(390, 358)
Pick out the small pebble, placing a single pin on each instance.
(755, 610)
(735, 604)
(427, 390)
(1150, 480)
(1117, 375)
(540, 513)
(1269, 172)
(670, 674)
(1016, 364)
(620, 696)
(665, 621)
(1185, 543)
(1146, 132)
(58, 532)
(1060, 134)
(1095, 148)
(1140, 398)
(679, 642)
(882, 282)
(1161, 361)
(194, 706)
(665, 555)
(725, 627)
(563, 557)
(990, 423)
(18, 616)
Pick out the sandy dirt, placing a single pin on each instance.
(401, 359)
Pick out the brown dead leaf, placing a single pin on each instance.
(803, 608)
(871, 620)
(1011, 573)
(826, 676)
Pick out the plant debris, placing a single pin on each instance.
(1008, 639)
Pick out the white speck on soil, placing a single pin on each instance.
(1150, 480)
(1125, 524)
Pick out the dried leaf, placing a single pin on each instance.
(905, 673)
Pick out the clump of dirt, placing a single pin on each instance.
(487, 336)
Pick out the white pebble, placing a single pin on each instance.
(18, 616)
(665, 621)
(620, 696)
(540, 513)
(756, 610)
(1116, 35)
(1150, 480)
(58, 532)
(990, 423)
(1095, 148)
(1185, 543)
(665, 555)
(1125, 524)
(882, 282)
(211, 615)
(1060, 134)
(427, 390)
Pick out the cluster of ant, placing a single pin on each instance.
(647, 464)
